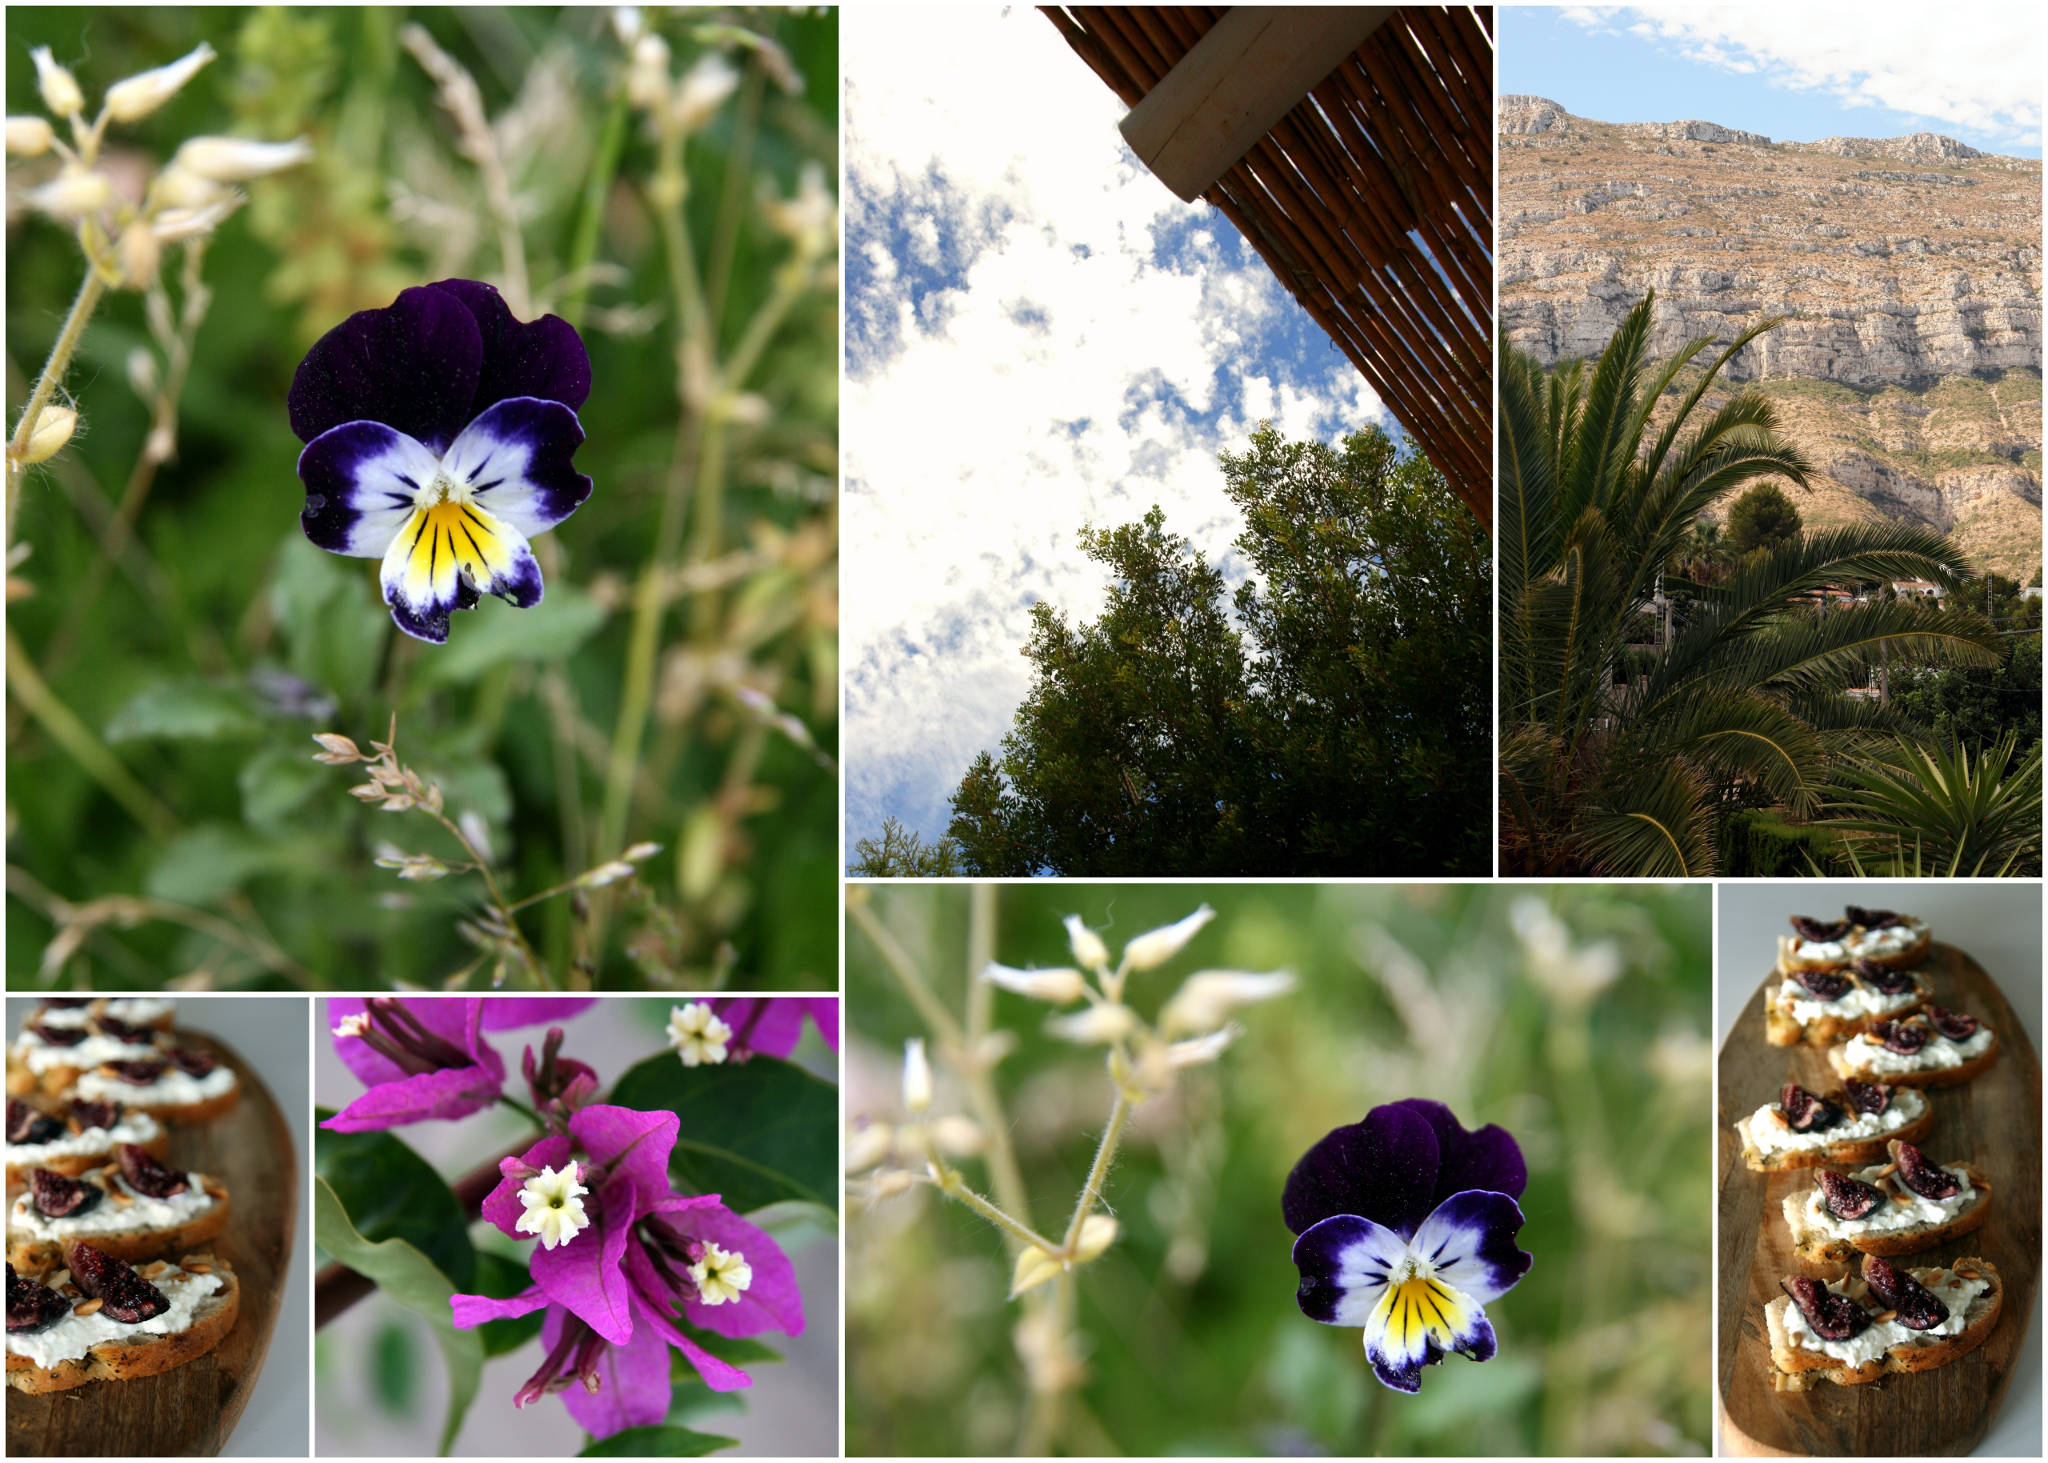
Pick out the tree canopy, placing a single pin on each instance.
(1762, 518)
(1328, 717)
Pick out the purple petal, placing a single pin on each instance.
(454, 1092)
(502, 1013)
(474, 1310)
(1382, 1168)
(719, 1376)
(1488, 1158)
(515, 459)
(1344, 1263)
(369, 1065)
(361, 482)
(771, 1302)
(825, 1011)
(412, 366)
(771, 1027)
(632, 1146)
(1470, 1239)
(587, 1275)
(545, 358)
(501, 1206)
(1402, 1377)
(633, 1386)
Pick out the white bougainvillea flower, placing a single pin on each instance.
(721, 1275)
(553, 1200)
(697, 1034)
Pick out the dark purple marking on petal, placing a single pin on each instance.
(1401, 1378)
(413, 366)
(1383, 1168)
(516, 459)
(361, 479)
(1470, 1240)
(1344, 1261)
(543, 358)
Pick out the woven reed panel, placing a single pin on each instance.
(1371, 201)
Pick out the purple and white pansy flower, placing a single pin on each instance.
(1406, 1227)
(439, 432)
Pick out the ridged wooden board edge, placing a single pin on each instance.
(191, 1411)
(1993, 1121)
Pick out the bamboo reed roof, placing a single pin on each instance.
(1371, 201)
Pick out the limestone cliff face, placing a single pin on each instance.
(1900, 263)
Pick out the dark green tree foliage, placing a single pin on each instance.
(1762, 518)
(1336, 724)
(898, 852)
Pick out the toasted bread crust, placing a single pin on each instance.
(1782, 1029)
(1821, 1247)
(120, 1361)
(75, 1164)
(1789, 962)
(28, 1254)
(1794, 1369)
(1932, 1077)
(1858, 1150)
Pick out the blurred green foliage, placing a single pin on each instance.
(1575, 1016)
(203, 653)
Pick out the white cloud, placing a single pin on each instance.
(1976, 71)
(1020, 364)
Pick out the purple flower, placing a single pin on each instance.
(439, 432)
(613, 1289)
(426, 1057)
(1407, 1227)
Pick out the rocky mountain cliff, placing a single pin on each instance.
(1909, 270)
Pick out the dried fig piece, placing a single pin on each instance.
(94, 1114)
(1805, 1113)
(122, 1031)
(1903, 1037)
(1881, 977)
(1833, 1317)
(32, 1306)
(1919, 1308)
(1952, 1024)
(66, 1003)
(138, 1073)
(1847, 1198)
(1813, 931)
(1928, 1180)
(58, 1197)
(1867, 1096)
(57, 1035)
(128, 1298)
(146, 1176)
(1823, 983)
(1873, 919)
(194, 1063)
(27, 1125)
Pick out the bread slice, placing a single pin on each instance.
(102, 1082)
(1796, 1369)
(1783, 1028)
(31, 1254)
(1843, 1151)
(155, 1139)
(149, 1352)
(1845, 1067)
(1795, 954)
(1821, 1247)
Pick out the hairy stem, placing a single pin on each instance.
(953, 1186)
(1105, 1154)
(59, 362)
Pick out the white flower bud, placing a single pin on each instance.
(703, 90)
(142, 380)
(1156, 947)
(1057, 986)
(177, 188)
(640, 851)
(917, 1077)
(1034, 1268)
(647, 74)
(959, 1136)
(53, 429)
(606, 873)
(175, 225)
(138, 96)
(1096, 1026)
(236, 159)
(1201, 1049)
(28, 136)
(627, 23)
(139, 251)
(1098, 1233)
(59, 87)
(1089, 951)
(1207, 997)
(866, 1147)
(73, 194)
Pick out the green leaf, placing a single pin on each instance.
(796, 1224)
(741, 1351)
(394, 1368)
(495, 633)
(184, 710)
(276, 783)
(754, 1134)
(500, 1278)
(390, 1192)
(201, 864)
(657, 1442)
(330, 615)
(411, 1279)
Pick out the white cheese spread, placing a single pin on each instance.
(130, 1127)
(40, 1056)
(1901, 1209)
(173, 1088)
(63, 1017)
(1857, 1001)
(1866, 1054)
(1769, 1136)
(1885, 943)
(1879, 1337)
(112, 1217)
(71, 1338)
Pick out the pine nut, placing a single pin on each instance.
(88, 1307)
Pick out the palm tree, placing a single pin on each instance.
(1613, 766)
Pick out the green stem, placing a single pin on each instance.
(953, 1186)
(583, 247)
(59, 362)
(522, 1109)
(28, 686)
(936, 1016)
(1104, 1155)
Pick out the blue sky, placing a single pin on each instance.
(1039, 336)
(1794, 71)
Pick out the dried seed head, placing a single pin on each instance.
(336, 749)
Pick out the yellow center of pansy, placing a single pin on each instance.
(452, 531)
(1416, 1303)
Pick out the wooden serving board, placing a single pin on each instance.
(191, 1410)
(1993, 1121)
